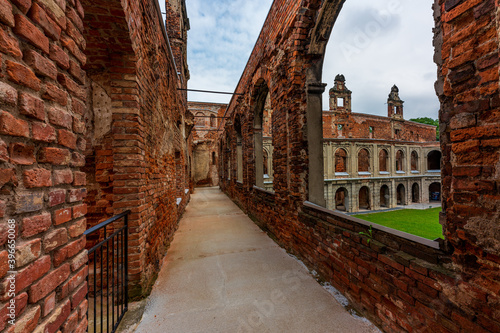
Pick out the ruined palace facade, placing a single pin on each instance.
(373, 162)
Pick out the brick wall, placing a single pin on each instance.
(401, 282)
(88, 105)
(42, 142)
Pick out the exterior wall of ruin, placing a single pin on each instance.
(88, 105)
(403, 283)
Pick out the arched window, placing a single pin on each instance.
(259, 103)
(384, 196)
(414, 161)
(239, 150)
(415, 193)
(213, 158)
(213, 121)
(340, 160)
(434, 160)
(383, 160)
(399, 160)
(401, 195)
(265, 161)
(199, 119)
(364, 198)
(435, 192)
(363, 161)
(341, 200)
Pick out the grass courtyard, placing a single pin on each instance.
(423, 223)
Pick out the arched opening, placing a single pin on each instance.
(363, 161)
(401, 195)
(239, 150)
(384, 196)
(434, 160)
(383, 160)
(340, 161)
(260, 97)
(415, 193)
(414, 161)
(435, 192)
(199, 119)
(341, 200)
(399, 161)
(213, 121)
(213, 158)
(364, 198)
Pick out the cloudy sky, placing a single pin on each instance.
(375, 44)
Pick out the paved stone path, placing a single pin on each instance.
(223, 274)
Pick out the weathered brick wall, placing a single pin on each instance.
(400, 282)
(139, 159)
(42, 144)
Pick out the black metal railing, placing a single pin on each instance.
(108, 263)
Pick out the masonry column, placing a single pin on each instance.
(315, 142)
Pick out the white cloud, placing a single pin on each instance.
(375, 44)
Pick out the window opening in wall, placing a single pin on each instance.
(199, 120)
(239, 151)
(265, 163)
(384, 196)
(213, 158)
(434, 160)
(435, 192)
(340, 161)
(414, 161)
(383, 159)
(213, 121)
(401, 195)
(340, 102)
(399, 161)
(341, 200)
(415, 193)
(363, 161)
(364, 198)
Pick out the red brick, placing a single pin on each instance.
(79, 210)
(71, 323)
(77, 228)
(21, 153)
(10, 125)
(30, 32)
(59, 117)
(82, 309)
(36, 224)
(6, 15)
(9, 45)
(55, 94)
(73, 16)
(80, 178)
(38, 15)
(8, 95)
(79, 261)
(57, 197)
(22, 75)
(48, 283)
(7, 176)
(56, 156)
(62, 216)
(72, 86)
(75, 34)
(68, 251)
(43, 132)
(67, 139)
(33, 272)
(59, 56)
(77, 159)
(41, 65)
(4, 154)
(77, 194)
(31, 106)
(57, 318)
(78, 107)
(77, 72)
(23, 5)
(37, 178)
(54, 239)
(78, 126)
(79, 296)
(28, 252)
(20, 304)
(28, 322)
(64, 176)
(73, 48)
(49, 303)
(29, 202)
(4, 265)
(3, 207)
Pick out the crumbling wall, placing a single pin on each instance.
(402, 283)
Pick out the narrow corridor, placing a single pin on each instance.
(223, 274)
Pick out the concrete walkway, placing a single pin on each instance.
(223, 274)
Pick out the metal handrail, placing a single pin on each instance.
(118, 242)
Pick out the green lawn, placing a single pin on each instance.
(423, 223)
